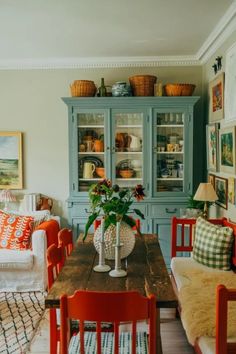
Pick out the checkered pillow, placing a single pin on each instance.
(213, 245)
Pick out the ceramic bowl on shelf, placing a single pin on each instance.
(126, 173)
(100, 171)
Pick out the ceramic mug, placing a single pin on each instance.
(88, 170)
(98, 145)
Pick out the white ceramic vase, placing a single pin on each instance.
(127, 238)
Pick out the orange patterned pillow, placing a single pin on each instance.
(15, 231)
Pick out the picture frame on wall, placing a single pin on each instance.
(221, 188)
(212, 140)
(11, 160)
(227, 150)
(216, 98)
(230, 84)
(211, 179)
(231, 190)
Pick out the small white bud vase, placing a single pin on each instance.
(126, 237)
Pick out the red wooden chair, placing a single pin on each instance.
(114, 307)
(55, 260)
(65, 240)
(223, 296)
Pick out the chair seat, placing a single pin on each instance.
(108, 343)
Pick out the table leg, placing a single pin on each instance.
(158, 329)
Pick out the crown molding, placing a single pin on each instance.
(224, 28)
(99, 62)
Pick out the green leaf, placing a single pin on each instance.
(130, 221)
(138, 212)
(90, 221)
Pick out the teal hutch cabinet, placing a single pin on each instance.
(133, 140)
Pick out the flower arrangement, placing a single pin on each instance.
(113, 203)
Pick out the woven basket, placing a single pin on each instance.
(83, 88)
(179, 89)
(143, 85)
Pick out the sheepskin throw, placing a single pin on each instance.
(213, 245)
(198, 303)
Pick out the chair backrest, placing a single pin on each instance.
(136, 227)
(114, 307)
(182, 234)
(65, 240)
(223, 296)
(55, 260)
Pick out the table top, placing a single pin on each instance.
(145, 266)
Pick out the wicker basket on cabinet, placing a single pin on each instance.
(179, 89)
(83, 88)
(143, 85)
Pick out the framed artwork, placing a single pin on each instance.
(212, 137)
(221, 188)
(231, 190)
(211, 179)
(230, 84)
(216, 95)
(227, 150)
(11, 160)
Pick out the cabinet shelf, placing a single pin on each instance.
(170, 152)
(129, 126)
(91, 153)
(128, 179)
(90, 126)
(90, 179)
(170, 179)
(128, 152)
(169, 125)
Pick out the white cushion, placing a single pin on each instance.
(208, 344)
(12, 259)
(180, 265)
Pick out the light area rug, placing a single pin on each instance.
(20, 314)
(198, 303)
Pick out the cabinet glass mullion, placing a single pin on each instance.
(168, 151)
(127, 150)
(92, 137)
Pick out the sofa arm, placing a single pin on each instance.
(39, 247)
(39, 243)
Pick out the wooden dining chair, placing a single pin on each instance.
(223, 296)
(65, 240)
(55, 260)
(113, 307)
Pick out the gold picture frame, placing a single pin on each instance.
(11, 160)
(227, 150)
(216, 98)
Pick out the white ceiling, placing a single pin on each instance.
(77, 30)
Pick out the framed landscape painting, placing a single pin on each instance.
(216, 95)
(212, 133)
(11, 160)
(221, 188)
(227, 150)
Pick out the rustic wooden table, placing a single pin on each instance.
(146, 273)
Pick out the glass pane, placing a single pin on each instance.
(91, 162)
(129, 149)
(169, 152)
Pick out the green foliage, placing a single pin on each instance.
(195, 204)
(112, 203)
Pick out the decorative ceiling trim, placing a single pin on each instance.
(112, 62)
(224, 28)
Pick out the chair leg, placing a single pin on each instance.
(53, 332)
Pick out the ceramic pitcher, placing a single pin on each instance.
(88, 170)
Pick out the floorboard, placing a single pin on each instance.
(173, 337)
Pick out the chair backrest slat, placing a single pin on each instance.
(65, 240)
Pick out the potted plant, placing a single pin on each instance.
(113, 204)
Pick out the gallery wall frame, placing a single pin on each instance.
(221, 188)
(216, 98)
(11, 175)
(211, 179)
(231, 190)
(212, 140)
(230, 84)
(227, 150)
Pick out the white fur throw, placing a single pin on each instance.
(198, 303)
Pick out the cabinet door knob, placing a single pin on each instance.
(108, 148)
(169, 211)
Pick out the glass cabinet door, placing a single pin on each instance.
(91, 141)
(128, 148)
(169, 152)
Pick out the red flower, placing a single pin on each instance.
(98, 188)
(139, 192)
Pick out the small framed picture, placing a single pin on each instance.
(216, 97)
(11, 160)
(231, 190)
(211, 179)
(212, 139)
(221, 188)
(227, 150)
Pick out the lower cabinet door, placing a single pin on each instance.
(78, 227)
(162, 227)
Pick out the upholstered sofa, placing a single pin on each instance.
(26, 270)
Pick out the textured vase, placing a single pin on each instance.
(127, 238)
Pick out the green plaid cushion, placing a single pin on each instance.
(213, 245)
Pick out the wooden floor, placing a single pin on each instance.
(173, 336)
